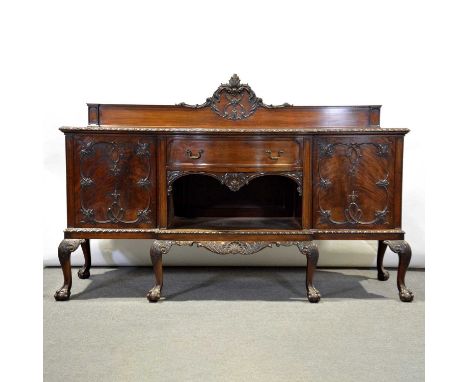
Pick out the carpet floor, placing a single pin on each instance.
(233, 324)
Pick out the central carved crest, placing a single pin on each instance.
(234, 101)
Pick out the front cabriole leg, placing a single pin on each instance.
(66, 247)
(310, 249)
(403, 249)
(158, 248)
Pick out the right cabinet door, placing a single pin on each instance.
(355, 182)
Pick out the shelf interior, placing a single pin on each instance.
(267, 202)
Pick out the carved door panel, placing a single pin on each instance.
(354, 182)
(114, 181)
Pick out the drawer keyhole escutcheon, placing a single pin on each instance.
(191, 156)
(273, 157)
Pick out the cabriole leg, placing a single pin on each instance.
(158, 248)
(83, 273)
(310, 249)
(66, 247)
(382, 273)
(403, 249)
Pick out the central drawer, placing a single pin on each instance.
(236, 152)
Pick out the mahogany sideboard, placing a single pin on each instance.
(234, 175)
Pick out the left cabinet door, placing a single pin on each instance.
(113, 182)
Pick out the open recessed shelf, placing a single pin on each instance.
(266, 202)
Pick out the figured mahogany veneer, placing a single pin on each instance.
(241, 152)
(234, 176)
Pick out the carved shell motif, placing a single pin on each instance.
(234, 101)
(234, 247)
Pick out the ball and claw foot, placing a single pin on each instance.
(383, 276)
(313, 295)
(154, 294)
(406, 295)
(62, 294)
(83, 273)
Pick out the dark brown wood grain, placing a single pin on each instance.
(212, 151)
(290, 117)
(114, 181)
(232, 171)
(354, 182)
(307, 184)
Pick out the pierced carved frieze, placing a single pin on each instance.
(234, 101)
(353, 213)
(234, 180)
(236, 247)
(116, 155)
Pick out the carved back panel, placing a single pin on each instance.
(353, 182)
(115, 181)
(234, 105)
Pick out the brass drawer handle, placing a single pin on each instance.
(191, 156)
(273, 157)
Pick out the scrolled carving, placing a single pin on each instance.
(234, 180)
(88, 215)
(307, 248)
(234, 101)
(142, 149)
(325, 150)
(162, 247)
(383, 182)
(115, 212)
(68, 246)
(398, 246)
(86, 182)
(325, 183)
(234, 247)
(144, 182)
(382, 149)
(352, 212)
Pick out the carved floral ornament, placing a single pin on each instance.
(234, 101)
(116, 155)
(307, 248)
(352, 212)
(234, 180)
